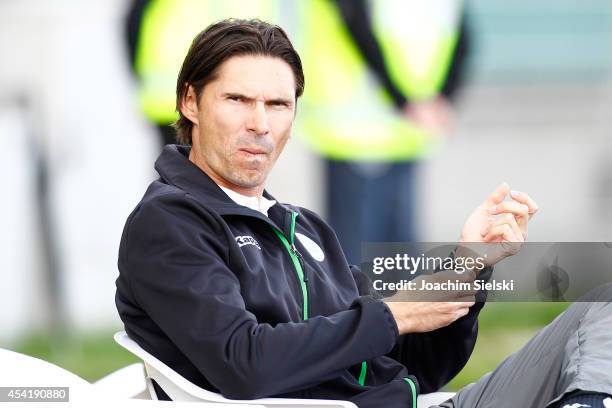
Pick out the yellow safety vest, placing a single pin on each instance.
(345, 114)
(168, 27)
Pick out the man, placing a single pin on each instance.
(252, 298)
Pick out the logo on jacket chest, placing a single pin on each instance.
(311, 246)
(243, 240)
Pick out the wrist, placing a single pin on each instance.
(402, 321)
(472, 251)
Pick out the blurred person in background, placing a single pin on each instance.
(382, 78)
(64, 94)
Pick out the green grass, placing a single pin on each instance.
(504, 328)
(510, 315)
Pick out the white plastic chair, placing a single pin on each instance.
(126, 382)
(180, 389)
(21, 370)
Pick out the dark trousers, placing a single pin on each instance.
(370, 202)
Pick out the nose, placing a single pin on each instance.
(258, 120)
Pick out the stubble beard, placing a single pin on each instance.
(244, 177)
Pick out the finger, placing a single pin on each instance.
(498, 195)
(523, 198)
(506, 218)
(462, 312)
(458, 308)
(506, 230)
(454, 305)
(502, 232)
(514, 224)
(517, 209)
(464, 304)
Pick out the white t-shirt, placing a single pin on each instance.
(255, 203)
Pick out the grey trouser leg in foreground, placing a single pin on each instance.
(574, 352)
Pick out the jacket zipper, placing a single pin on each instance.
(298, 263)
(297, 260)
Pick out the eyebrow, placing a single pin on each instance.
(285, 101)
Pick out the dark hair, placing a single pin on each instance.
(221, 41)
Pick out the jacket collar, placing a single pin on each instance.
(175, 168)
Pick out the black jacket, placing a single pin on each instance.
(233, 302)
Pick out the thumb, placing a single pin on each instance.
(498, 195)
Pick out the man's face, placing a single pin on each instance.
(242, 121)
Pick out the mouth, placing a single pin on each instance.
(253, 150)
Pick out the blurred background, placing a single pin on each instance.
(79, 146)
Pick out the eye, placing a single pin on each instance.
(279, 104)
(236, 98)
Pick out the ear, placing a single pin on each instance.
(189, 105)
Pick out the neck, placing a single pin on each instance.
(202, 165)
